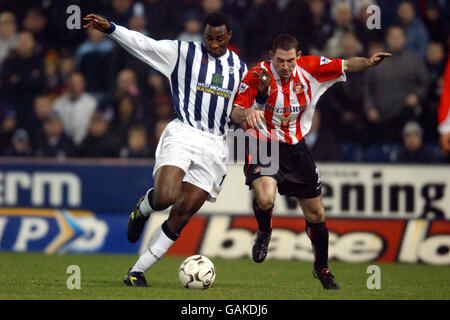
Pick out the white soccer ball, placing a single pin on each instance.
(197, 272)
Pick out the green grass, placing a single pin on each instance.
(39, 276)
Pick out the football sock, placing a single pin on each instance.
(145, 206)
(264, 217)
(161, 241)
(318, 234)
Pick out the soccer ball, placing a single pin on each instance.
(197, 272)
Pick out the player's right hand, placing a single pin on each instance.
(97, 22)
(444, 141)
(264, 80)
(254, 118)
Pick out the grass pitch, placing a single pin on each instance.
(38, 276)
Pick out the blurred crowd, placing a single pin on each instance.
(75, 93)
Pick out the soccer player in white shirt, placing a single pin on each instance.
(191, 156)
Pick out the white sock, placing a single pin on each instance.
(145, 207)
(159, 245)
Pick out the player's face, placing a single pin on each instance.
(216, 40)
(284, 61)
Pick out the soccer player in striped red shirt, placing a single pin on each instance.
(280, 96)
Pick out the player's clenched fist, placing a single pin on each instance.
(254, 118)
(97, 22)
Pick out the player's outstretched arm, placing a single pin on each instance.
(161, 55)
(358, 64)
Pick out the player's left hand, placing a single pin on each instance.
(264, 80)
(97, 22)
(254, 118)
(378, 57)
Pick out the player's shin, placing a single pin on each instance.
(318, 234)
(263, 217)
(161, 241)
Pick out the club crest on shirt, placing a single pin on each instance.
(298, 87)
(286, 118)
(217, 80)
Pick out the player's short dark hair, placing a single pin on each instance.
(284, 42)
(217, 19)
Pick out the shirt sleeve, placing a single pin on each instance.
(248, 89)
(161, 55)
(323, 69)
(444, 106)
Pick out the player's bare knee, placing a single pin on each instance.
(316, 215)
(265, 201)
(164, 197)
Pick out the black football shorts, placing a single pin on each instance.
(297, 174)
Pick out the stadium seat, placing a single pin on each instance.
(382, 152)
(435, 152)
(350, 152)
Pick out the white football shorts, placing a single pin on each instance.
(201, 155)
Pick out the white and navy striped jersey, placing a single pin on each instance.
(202, 86)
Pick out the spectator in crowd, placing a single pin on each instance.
(321, 25)
(75, 108)
(52, 142)
(137, 21)
(35, 21)
(413, 150)
(321, 142)
(100, 142)
(137, 144)
(192, 27)
(126, 85)
(23, 77)
(42, 107)
(66, 66)
(8, 34)
(344, 101)
(277, 17)
(343, 23)
(355, 5)
(20, 144)
(93, 59)
(163, 22)
(435, 63)
(415, 31)
(438, 27)
(37, 64)
(362, 31)
(122, 10)
(8, 124)
(405, 77)
(125, 117)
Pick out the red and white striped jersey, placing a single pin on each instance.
(290, 106)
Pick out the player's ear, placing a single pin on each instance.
(271, 55)
(230, 33)
(299, 54)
